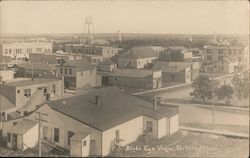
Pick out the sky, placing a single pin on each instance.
(109, 16)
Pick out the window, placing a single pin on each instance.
(84, 143)
(61, 70)
(6, 51)
(117, 134)
(149, 126)
(240, 52)
(220, 57)
(70, 71)
(14, 123)
(65, 71)
(56, 134)
(81, 73)
(9, 137)
(18, 91)
(91, 72)
(239, 58)
(45, 132)
(27, 93)
(70, 134)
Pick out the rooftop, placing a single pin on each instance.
(115, 107)
(36, 66)
(20, 82)
(171, 66)
(79, 136)
(132, 73)
(81, 64)
(139, 52)
(23, 126)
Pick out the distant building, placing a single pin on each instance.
(21, 96)
(178, 71)
(107, 66)
(133, 78)
(77, 73)
(51, 58)
(235, 55)
(176, 53)
(29, 70)
(92, 50)
(94, 124)
(137, 58)
(19, 51)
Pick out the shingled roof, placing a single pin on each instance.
(115, 107)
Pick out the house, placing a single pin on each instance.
(178, 71)
(77, 73)
(29, 70)
(22, 135)
(21, 96)
(137, 58)
(106, 66)
(93, 124)
(134, 78)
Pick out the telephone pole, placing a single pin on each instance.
(40, 120)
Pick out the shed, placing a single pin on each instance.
(22, 135)
(80, 145)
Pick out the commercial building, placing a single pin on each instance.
(77, 73)
(92, 50)
(133, 78)
(19, 51)
(94, 124)
(214, 56)
(137, 58)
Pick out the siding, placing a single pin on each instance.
(128, 131)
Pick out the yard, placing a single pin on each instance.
(187, 144)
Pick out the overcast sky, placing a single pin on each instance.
(194, 17)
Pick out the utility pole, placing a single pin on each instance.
(39, 131)
(212, 100)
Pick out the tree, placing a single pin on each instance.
(225, 92)
(203, 87)
(241, 85)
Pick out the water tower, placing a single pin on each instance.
(89, 29)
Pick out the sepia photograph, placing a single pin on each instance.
(125, 78)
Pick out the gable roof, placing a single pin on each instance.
(23, 126)
(115, 107)
(139, 52)
(21, 82)
(5, 103)
(80, 64)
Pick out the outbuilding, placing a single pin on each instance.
(22, 135)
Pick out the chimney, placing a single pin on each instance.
(155, 104)
(97, 100)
